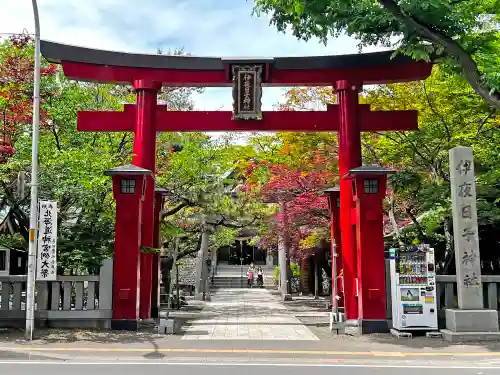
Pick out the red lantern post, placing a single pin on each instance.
(129, 185)
(368, 188)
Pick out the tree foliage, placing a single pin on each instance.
(201, 180)
(303, 214)
(450, 114)
(463, 34)
(72, 165)
(288, 171)
(16, 91)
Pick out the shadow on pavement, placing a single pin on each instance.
(8, 355)
(154, 354)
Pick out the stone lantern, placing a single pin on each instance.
(129, 184)
(369, 184)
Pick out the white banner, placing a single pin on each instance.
(47, 242)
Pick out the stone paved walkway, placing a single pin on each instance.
(246, 314)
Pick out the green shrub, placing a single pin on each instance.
(294, 267)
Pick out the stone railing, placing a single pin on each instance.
(447, 292)
(71, 301)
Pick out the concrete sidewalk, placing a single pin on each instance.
(246, 314)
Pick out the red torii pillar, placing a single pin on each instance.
(145, 157)
(349, 136)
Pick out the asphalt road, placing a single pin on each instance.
(124, 368)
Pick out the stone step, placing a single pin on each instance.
(225, 278)
(268, 287)
(233, 268)
(237, 270)
(237, 283)
(229, 277)
(237, 276)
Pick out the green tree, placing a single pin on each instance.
(71, 163)
(461, 34)
(71, 172)
(201, 180)
(450, 114)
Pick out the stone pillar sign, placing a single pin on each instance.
(465, 229)
(470, 321)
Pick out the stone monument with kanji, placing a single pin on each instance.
(471, 321)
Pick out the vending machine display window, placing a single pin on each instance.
(410, 294)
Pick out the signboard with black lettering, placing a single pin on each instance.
(47, 242)
(247, 92)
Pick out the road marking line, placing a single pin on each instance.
(246, 364)
(255, 351)
(388, 354)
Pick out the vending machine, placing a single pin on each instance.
(413, 288)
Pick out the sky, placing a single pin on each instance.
(201, 27)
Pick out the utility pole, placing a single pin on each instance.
(32, 246)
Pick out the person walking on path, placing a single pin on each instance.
(250, 274)
(260, 277)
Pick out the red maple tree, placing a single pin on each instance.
(303, 208)
(16, 91)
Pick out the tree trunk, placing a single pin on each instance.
(177, 284)
(167, 263)
(449, 253)
(170, 289)
(284, 262)
(392, 219)
(421, 235)
(284, 269)
(288, 274)
(201, 265)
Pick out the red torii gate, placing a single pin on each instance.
(147, 73)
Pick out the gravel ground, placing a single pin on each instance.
(375, 342)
